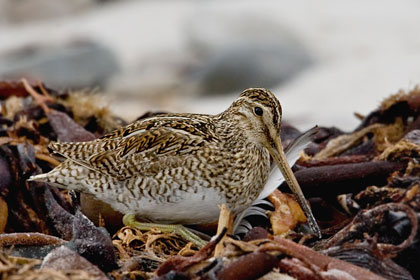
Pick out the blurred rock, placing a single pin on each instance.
(63, 258)
(30, 10)
(92, 243)
(5, 175)
(237, 52)
(157, 74)
(75, 65)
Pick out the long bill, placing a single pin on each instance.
(280, 159)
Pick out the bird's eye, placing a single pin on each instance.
(258, 111)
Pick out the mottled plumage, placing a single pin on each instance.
(177, 168)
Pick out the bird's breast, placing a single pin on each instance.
(248, 174)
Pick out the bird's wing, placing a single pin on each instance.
(83, 151)
(139, 150)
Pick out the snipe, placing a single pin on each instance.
(177, 168)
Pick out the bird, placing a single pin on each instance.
(175, 169)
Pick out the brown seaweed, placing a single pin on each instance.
(363, 186)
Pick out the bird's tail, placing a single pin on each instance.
(39, 178)
(56, 178)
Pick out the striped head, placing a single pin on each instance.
(259, 114)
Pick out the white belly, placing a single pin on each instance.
(198, 207)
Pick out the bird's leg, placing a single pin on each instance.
(130, 220)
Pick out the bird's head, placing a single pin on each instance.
(259, 113)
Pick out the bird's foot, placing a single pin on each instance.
(130, 220)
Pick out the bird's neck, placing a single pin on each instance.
(233, 132)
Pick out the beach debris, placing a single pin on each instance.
(363, 187)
